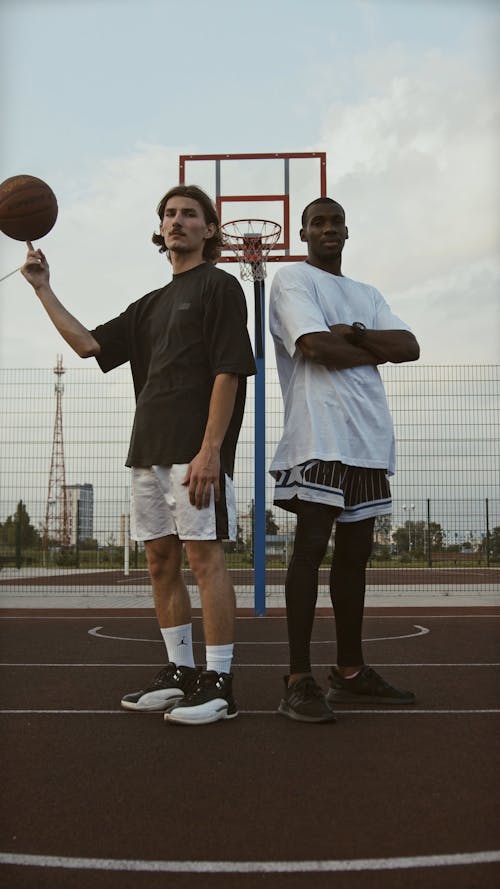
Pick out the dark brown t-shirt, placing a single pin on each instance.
(177, 339)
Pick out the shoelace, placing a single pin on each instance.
(165, 673)
(203, 681)
(371, 675)
(309, 688)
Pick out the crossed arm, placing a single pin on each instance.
(335, 352)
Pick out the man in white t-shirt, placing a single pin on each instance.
(336, 452)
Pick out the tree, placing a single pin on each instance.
(401, 538)
(17, 535)
(17, 529)
(495, 542)
(88, 544)
(383, 524)
(436, 534)
(240, 543)
(272, 527)
(413, 537)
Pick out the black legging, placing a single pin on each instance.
(353, 545)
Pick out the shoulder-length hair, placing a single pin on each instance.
(213, 246)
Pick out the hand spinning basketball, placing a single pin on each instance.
(36, 267)
(28, 208)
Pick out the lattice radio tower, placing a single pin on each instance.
(57, 513)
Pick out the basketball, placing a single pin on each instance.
(28, 208)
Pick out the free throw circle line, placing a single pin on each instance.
(459, 859)
(421, 631)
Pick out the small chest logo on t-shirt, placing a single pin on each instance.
(184, 306)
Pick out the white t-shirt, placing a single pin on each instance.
(329, 414)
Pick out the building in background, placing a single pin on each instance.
(80, 504)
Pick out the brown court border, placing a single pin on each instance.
(274, 576)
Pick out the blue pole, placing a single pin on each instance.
(259, 547)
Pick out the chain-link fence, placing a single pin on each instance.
(445, 526)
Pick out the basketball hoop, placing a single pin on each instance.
(251, 240)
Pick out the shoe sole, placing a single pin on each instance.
(343, 697)
(217, 716)
(284, 710)
(166, 705)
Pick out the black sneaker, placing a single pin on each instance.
(210, 700)
(366, 688)
(305, 701)
(169, 686)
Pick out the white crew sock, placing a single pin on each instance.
(219, 657)
(179, 644)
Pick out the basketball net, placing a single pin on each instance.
(251, 240)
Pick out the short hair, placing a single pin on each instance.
(213, 246)
(323, 200)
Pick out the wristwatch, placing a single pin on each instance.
(358, 333)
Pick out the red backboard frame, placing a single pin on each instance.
(284, 198)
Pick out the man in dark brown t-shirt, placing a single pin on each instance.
(190, 354)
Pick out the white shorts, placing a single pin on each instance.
(159, 506)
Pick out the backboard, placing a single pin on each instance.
(274, 186)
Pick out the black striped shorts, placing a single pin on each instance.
(360, 492)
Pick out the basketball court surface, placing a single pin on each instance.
(94, 796)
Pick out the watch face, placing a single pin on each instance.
(359, 327)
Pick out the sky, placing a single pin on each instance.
(99, 99)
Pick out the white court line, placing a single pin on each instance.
(461, 859)
(380, 616)
(408, 711)
(421, 631)
(237, 663)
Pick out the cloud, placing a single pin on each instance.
(100, 253)
(415, 165)
(412, 155)
(456, 316)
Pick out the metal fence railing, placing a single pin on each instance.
(446, 491)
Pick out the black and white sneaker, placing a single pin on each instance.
(366, 688)
(211, 700)
(305, 701)
(168, 687)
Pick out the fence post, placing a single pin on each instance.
(487, 534)
(77, 534)
(126, 546)
(19, 554)
(429, 542)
